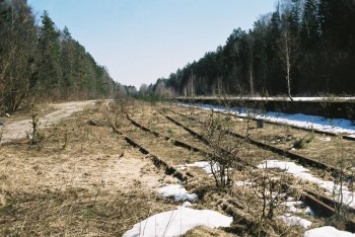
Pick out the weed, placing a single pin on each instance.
(303, 142)
(170, 132)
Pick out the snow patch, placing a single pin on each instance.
(178, 222)
(205, 165)
(295, 220)
(177, 192)
(338, 126)
(292, 206)
(327, 231)
(303, 174)
(187, 204)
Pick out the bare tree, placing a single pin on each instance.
(17, 47)
(223, 150)
(288, 44)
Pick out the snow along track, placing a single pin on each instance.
(300, 159)
(322, 205)
(325, 130)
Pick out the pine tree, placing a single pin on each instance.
(50, 70)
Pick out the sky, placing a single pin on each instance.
(139, 41)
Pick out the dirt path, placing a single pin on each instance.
(20, 129)
(105, 161)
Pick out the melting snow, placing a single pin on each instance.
(303, 174)
(205, 165)
(336, 126)
(178, 222)
(327, 231)
(178, 192)
(295, 220)
(345, 126)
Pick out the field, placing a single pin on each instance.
(95, 169)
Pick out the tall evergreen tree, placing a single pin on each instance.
(310, 43)
(50, 70)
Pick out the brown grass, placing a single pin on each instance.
(75, 212)
(84, 180)
(79, 180)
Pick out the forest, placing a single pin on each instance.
(303, 48)
(42, 63)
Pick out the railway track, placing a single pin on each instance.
(333, 134)
(158, 162)
(322, 148)
(322, 205)
(299, 158)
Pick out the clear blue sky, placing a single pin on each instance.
(140, 41)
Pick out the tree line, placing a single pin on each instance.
(304, 47)
(40, 62)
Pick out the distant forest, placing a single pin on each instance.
(40, 62)
(304, 47)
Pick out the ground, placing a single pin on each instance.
(80, 179)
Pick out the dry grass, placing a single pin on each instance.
(84, 180)
(75, 212)
(80, 180)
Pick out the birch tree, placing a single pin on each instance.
(288, 42)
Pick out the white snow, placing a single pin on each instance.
(285, 98)
(187, 204)
(327, 231)
(337, 126)
(292, 220)
(205, 165)
(292, 206)
(178, 222)
(280, 98)
(177, 192)
(303, 174)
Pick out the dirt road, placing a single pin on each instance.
(20, 129)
